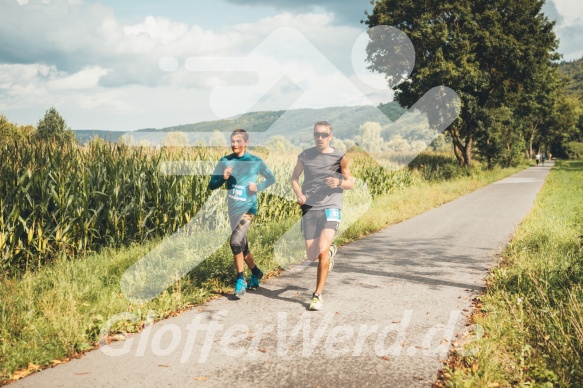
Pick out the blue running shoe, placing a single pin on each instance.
(240, 288)
(254, 282)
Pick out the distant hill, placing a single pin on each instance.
(294, 124)
(573, 70)
(252, 121)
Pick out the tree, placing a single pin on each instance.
(127, 139)
(398, 144)
(564, 144)
(217, 139)
(500, 143)
(442, 143)
(485, 50)
(338, 144)
(536, 103)
(200, 143)
(573, 72)
(175, 139)
(144, 143)
(280, 145)
(563, 125)
(349, 143)
(12, 132)
(8, 131)
(370, 138)
(53, 127)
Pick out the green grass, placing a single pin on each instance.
(58, 310)
(532, 309)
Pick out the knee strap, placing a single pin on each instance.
(237, 244)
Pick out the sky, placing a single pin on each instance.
(127, 65)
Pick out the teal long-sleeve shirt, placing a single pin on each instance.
(246, 169)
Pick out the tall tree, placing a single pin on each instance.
(10, 132)
(53, 127)
(563, 125)
(536, 103)
(485, 50)
(499, 143)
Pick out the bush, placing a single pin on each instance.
(439, 166)
(574, 150)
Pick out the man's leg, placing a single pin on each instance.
(239, 247)
(256, 273)
(324, 242)
(249, 260)
(312, 249)
(313, 252)
(238, 242)
(239, 262)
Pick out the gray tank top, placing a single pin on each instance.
(317, 167)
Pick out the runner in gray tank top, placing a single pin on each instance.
(326, 176)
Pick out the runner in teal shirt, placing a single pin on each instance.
(245, 170)
(240, 171)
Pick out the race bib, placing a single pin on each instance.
(333, 215)
(238, 193)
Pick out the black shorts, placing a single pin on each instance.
(314, 222)
(240, 225)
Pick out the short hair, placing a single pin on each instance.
(323, 124)
(243, 132)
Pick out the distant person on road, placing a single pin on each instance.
(537, 158)
(326, 176)
(240, 171)
(543, 158)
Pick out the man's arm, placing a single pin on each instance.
(295, 182)
(220, 176)
(348, 181)
(269, 178)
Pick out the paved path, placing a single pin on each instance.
(393, 302)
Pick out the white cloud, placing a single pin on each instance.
(569, 26)
(109, 99)
(571, 12)
(21, 83)
(84, 79)
(43, 76)
(284, 54)
(103, 74)
(158, 29)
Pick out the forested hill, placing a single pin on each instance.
(574, 70)
(345, 120)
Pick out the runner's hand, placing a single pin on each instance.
(302, 199)
(332, 182)
(227, 173)
(252, 187)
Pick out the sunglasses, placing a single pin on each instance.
(323, 135)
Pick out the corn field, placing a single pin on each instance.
(64, 200)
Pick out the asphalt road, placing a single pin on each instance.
(392, 304)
